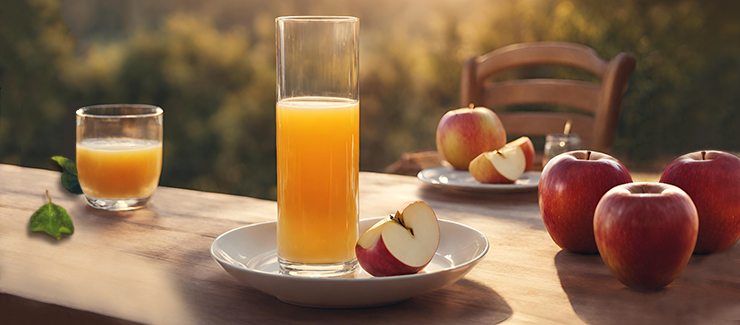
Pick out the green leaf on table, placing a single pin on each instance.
(52, 219)
(69, 176)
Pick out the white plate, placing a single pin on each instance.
(249, 254)
(461, 180)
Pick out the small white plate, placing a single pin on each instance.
(249, 254)
(461, 180)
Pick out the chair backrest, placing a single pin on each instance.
(602, 101)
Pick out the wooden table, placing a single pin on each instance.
(154, 266)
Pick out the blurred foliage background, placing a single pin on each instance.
(210, 65)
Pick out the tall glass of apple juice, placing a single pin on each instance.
(318, 132)
(119, 154)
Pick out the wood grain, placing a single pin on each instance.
(602, 100)
(154, 266)
(578, 94)
(540, 53)
(539, 123)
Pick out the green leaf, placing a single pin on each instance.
(69, 176)
(52, 219)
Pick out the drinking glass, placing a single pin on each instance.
(318, 132)
(119, 154)
(558, 143)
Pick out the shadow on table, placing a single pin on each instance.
(708, 291)
(443, 194)
(18, 311)
(465, 302)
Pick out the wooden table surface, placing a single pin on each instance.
(154, 265)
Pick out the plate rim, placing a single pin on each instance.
(479, 187)
(474, 260)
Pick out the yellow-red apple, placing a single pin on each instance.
(465, 133)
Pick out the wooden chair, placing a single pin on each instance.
(602, 101)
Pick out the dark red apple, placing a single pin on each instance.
(712, 180)
(646, 233)
(572, 184)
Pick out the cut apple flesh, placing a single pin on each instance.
(526, 144)
(505, 165)
(509, 161)
(401, 244)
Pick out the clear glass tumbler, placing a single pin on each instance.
(318, 149)
(119, 154)
(558, 143)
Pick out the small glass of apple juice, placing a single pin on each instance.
(119, 154)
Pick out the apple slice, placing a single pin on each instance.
(503, 166)
(400, 244)
(526, 144)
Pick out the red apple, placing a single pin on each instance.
(503, 166)
(400, 244)
(712, 180)
(571, 186)
(526, 144)
(646, 233)
(465, 133)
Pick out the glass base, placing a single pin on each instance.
(116, 205)
(318, 270)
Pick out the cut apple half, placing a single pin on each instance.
(401, 244)
(528, 148)
(503, 166)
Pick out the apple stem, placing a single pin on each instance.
(703, 155)
(499, 153)
(471, 105)
(47, 195)
(588, 155)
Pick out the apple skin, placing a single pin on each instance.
(465, 133)
(713, 183)
(526, 144)
(571, 186)
(378, 261)
(646, 233)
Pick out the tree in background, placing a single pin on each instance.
(211, 67)
(35, 51)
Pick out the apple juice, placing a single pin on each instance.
(317, 168)
(119, 168)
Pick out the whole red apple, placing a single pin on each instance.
(712, 180)
(571, 186)
(465, 133)
(646, 233)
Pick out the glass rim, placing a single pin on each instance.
(85, 111)
(336, 19)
